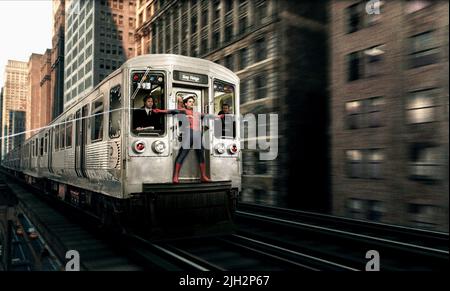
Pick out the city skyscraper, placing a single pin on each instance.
(99, 37)
(15, 98)
(57, 59)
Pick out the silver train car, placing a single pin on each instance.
(92, 157)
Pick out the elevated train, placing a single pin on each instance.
(92, 157)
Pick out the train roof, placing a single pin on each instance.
(179, 62)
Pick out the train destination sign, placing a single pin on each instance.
(190, 77)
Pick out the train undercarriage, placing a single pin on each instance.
(161, 211)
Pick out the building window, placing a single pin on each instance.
(373, 58)
(216, 7)
(176, 32)
(364, 113)
(358, 17)
(194, 48)
(194, 22)
(374, 115)
(375, 159)
(204, 46)
(216, 40)
(260, 86)
(204, 18)
(243, 24)
(228, 32)
(88, 67)
(424, 162)
(423, 50)
(365, 209)
(416, 5)
(353, 67)
(354, 17)
(184, 27)
(140, 19)
(354, 163)
(260, 50)
(364, 164)
(355, 208)
(244, 91)
(375, 210)
(243, 58)
(354, 114)
(260, 11)
(229, 62)
(88, 82)
(168, 38)
(228, 5)
(423, 215)
(420, 106)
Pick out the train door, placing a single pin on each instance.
(80, 141)
(190, 169)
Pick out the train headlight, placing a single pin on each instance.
(159, 147)
(139, 146)
(220, 148)
(233, 149)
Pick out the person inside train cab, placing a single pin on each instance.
(227, 130)
(225, 109)
(145, 118)
(180, 104)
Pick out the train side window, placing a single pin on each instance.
(97, 120)
(69, 130)
(115, 113)
(45, 143)
(56, 139)
(62, 134)
(41, 147)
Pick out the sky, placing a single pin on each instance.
(25, 28)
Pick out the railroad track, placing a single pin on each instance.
(415, 236)
(238, 253)
(326, 238)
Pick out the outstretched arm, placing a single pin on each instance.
(169, 111)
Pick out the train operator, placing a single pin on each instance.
(145, 117)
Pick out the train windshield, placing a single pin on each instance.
(224, 103)
(147, 93)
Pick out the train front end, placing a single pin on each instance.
(190, 207)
